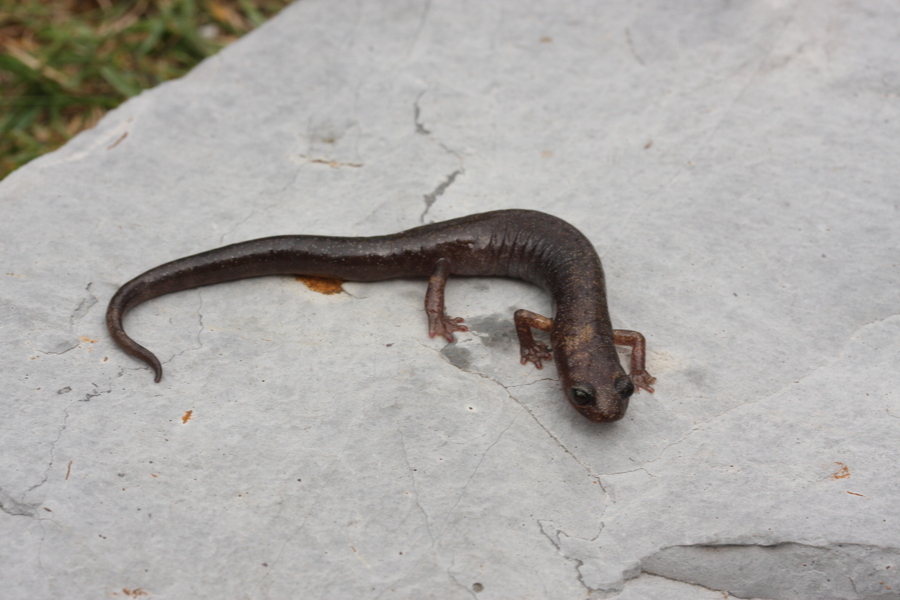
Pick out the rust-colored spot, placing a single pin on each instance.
(546, 39)
(88, 340)
(154, 476)
(842, 473)
(69, 470)
(648, 144)
(323, 285)
(134, 593)
(187, 416)
(855, 494)
(546, 153)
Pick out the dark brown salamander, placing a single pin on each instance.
(524, 244)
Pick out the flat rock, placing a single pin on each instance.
(735, 165)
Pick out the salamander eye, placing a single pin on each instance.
(582, 394)
(624, 387)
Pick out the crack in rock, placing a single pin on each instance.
(61, 347)
(87, 397)
(84, 306)
(14, 508)
(412, 477)
(552, 533)
(634, 53)
(420, 129)
(431, 198)
(199, 336)
(456, 356)
(597, 569)
(52, 452)
(559, 442)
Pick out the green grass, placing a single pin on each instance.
(64, 63)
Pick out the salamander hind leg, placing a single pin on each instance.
(438, 321)
(531, 349)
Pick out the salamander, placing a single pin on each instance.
(524, 244)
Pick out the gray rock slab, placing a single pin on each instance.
(735, 165)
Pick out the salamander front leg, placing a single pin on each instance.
(438, 321)
(639, 376)
(531, 349)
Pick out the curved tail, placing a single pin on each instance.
(237, 261)
(118, 306)
(357, 259)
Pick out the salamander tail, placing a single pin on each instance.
(114, 314)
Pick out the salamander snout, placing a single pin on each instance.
(606, 407)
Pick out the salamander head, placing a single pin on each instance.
(594, 382)
(604, 405)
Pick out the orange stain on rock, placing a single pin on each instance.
(842, 473)
(323, 285)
